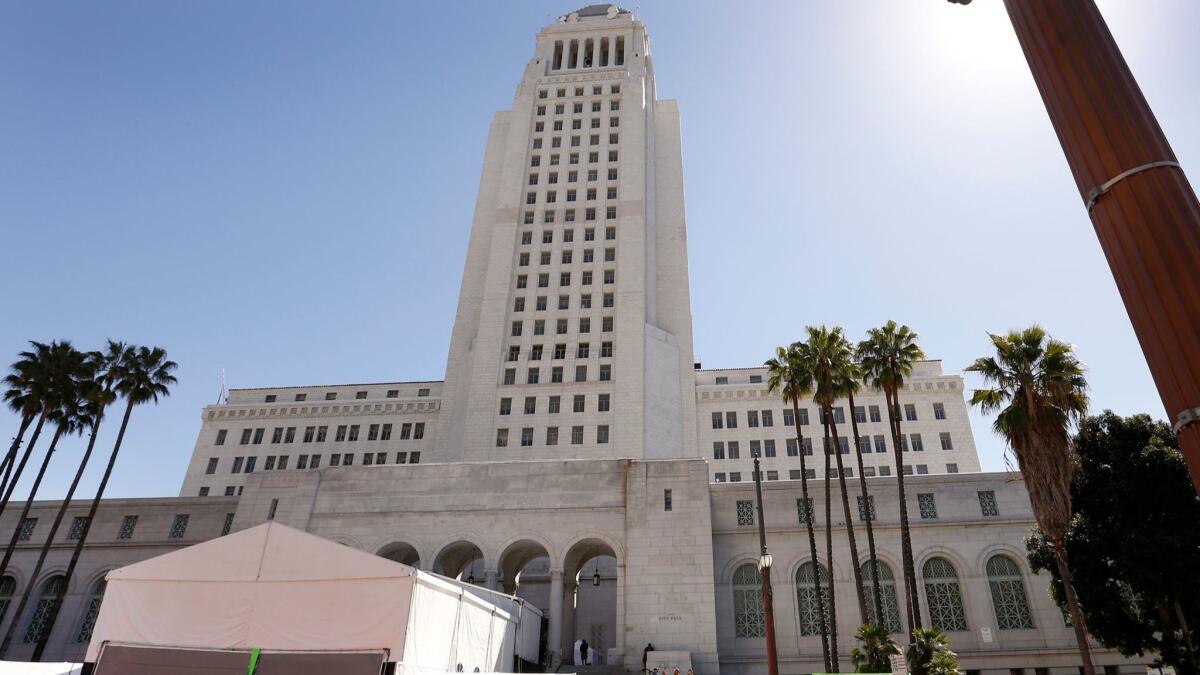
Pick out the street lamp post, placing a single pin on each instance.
(764, 571)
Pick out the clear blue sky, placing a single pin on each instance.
(284, 189)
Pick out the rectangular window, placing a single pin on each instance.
(386, 433)
(987, 503)
(866, 508)
(745, 512)
(910, 412)
(502, 438)
(28, 525)
(860, 414)
(237, 465)
(577, 435)
(510, 376)
(373, 432)
(605, 372)
(718, 421)
(735, 476)
(128, 525)
(554, 404)
(719, 477)
(752, 418)
(734, 451)
(577, 403)
(927, 505)
(939, 411)
(276, 435)
(718, 450)
(874, 411)
(804, 510)
(530, 405)
(526, 437)
(221, 433)
(944, 437)
(270, 463)
(302, 462)
(793, 450)
(581, 373)
(951, 468)
(250, 461)
(506, 406)
(767, 419)
(880, 444)
(885, 471)
(755, 449)
(246, 434)
(551, 435)
(731, 420)
(418, 431)
(917, 444)
(769, 448)
(179, 526)
(789, 418)
(212, 466)
(602, 433)
(353, 432)
(667, 500)
(606, 350)
(602, 403)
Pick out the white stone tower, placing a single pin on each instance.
(573, 336)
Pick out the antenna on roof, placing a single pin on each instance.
(221, 394)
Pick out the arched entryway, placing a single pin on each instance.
(401, 552)
(461, 560)
(590, 598)
(524, 570)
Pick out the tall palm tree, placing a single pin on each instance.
(82, 414)
(876, 597)
(20, 399)
(830, 358)
(787, 376)
(63, 370)
(886, 357)
(1039, 389)
(139, 375)
(30, 387)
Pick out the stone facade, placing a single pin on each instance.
(499, 476)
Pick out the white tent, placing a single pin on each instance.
(275, 588)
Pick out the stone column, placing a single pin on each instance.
(595, 52)
(489, 580)
(1141, 204)
(570, 598)
(554, 630)
(619, 627)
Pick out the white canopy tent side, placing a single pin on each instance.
(280, 589)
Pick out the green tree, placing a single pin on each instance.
(828, 355)
(83, 413)
(788, 377)
(929, 653)
(885, 358)
(64, 367)
(30, 388)
(140, 375)
(1039, 391)
(871, 656)
(1133, 542)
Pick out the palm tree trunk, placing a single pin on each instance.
(37, 482)
(812, 537)
(905, 540)
(87, 527)
(877, 597)
(58, 518)
(863, 616)
(10, 458)
(37, 431)
(833, 653)
(909, 565)
(1077, 620)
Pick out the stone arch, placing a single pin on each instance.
(401, 552)
(1018, 556)
(591, 569)
(461, 558)
(512, 559)
(835, 570)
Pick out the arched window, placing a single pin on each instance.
(93, 610)
(1008, 593)
(944, 595)
(887, 595)
(8, 586)
(40, 621)
(806, 597)
(747, 602)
